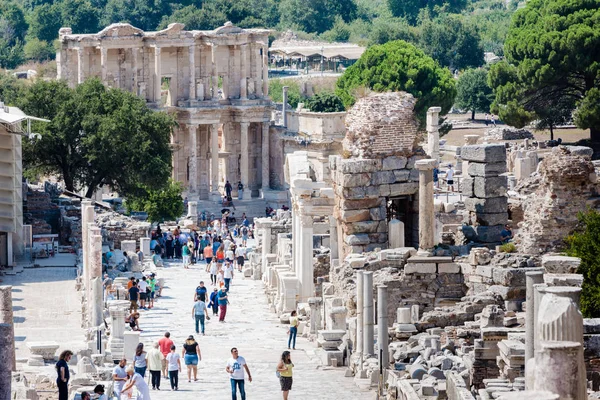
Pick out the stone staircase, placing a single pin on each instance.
(254, 208)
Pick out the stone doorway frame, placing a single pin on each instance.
(401, 207)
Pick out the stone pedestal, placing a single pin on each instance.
(6, 359)
(145, 247)
(315, 314)
(426, 212)
(368, 316)
(396, 232)
(192, 211)
(337, 318)
(403, 315)
(531, 278)
(129, 247)
(557, 367)
(382, 331)
(359, 311)
(117, 332)
(6, 317)
(130, 341)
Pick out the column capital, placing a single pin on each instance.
(426, 165)
(245, 125)
(192, 127)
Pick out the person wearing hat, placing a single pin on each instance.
(191, 355)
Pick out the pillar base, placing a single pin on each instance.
(247, 195)
(424, 253)
(215, 196)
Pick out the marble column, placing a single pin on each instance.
(103, 63)
(265, 158)
(426, 213)
(306, 274)
(6, 317)
(192, 60)
(433, 134)
(157, 75)
(382, 326)
(244, 72)
(333, 240)
(214, 73)
(85, 216)
(117, 331)
(6, 360)
(214, 168)
(265, 243)
(80, 65)
(258, 87)
(97, 318)
(359, 312)
(558, 367)
(265, 77)
(134, 62)
(284, 106)
(531, 278)
(368, 317)
(193, 179)
(244, 167)
(315, 314)
(225, 77)
(396, 229)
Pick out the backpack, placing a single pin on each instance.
(201, 292)
(244, 231)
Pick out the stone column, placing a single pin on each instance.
(85, 216)
(244, 167)
(433, 134)
(315, 314)
(426, 213)
(193, 183)
(265, 243)
(117, 331)
(80, 65)
(396, 229)
(333, 240)
(531, 278)
(284, 106)
(157, 74)
(134, 57)
(214, 73)
(305, 263)
(145, 247)
(6, 360)
(6, 317)
(192, 83)
(557, 367)
(265, 77)
(265, 158)
(258, 87)
(103, 63)
(359, 312)
(214, 153)
(368, 318)
(244, 72)
(96, 281)
(382, 331)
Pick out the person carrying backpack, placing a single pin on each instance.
(200, 292)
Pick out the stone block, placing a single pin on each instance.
(357, 240)
(394, 162)
(560, 264)
(467, 186)
(486, 169)
(359, 204)
(378, 213)
(402, 175)
(508, 293)
(448, 268)
(384, 190)
(582, 151)
(489, 219)
(486, 271)
(490, 187)
(420, 268)
(354, 180)
(491, 205)
(355, 215)
(401, 189)
(355, 166)
(509, 276)
(361, 227)
(382, 177)
(484, 153)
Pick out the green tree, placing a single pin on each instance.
(89, 139)
(585, 244)
(452, 42)
(552, 45)
(473, 92)
(44, 22)
(386, 30)
(400, 66)
(315, 15)
(295, 96)
(11, 56)
(80, 15)
(325, 102)
(194, 18)
(38, 50)
(11, 89)
(161, 204)
(13, 26)
(339, 32)
(143, 14)
(410, 9)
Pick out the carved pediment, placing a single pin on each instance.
(172, 30)
(228, 28)
(120, 30)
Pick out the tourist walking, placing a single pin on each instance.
(200, 292)
(140, 361)
(155, 358)
(185, 251)
(137, 380)
(240, 252)
(165, 344)
(119, 377)
(284, 368)
(214, 270)
(228, 189)
(228, 274)
(133, 296)
(174, 365)
(191, 356)
(62, 368)
(200, 313)
(214, 301)
(450, 177)
(222, 296)
(143, 287)
(235, 368)
(293, 331)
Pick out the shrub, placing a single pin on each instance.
(508, 248)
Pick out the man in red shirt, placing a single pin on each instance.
(165, 344)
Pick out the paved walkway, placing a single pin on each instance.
(250, 327)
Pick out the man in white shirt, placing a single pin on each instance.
(143, 286)
(240, 252)
(235, 368)
(228, 275)
(450, 178)
(120, 377)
